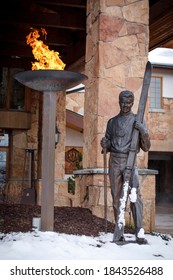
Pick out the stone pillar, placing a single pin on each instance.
(116, 55)
(61, 195)
(61, 124)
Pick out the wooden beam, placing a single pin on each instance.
(55, 37)
(64, 3)
(35, 19)
(74, 120)
(161, 30)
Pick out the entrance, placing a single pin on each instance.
(163, 162)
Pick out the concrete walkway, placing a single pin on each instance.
(164, 218)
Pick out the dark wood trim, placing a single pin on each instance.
(15, 120)
(74, 120)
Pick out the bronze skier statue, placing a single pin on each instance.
(118, 141)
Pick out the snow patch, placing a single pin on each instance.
(121, 218)
(133, 195)
(141, 233)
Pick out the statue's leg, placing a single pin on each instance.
(116, 181)
(137, 209)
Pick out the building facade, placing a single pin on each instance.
(116, 54)
(160, 120)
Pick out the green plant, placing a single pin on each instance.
(71, 184)
(71, 180)
(79, 161)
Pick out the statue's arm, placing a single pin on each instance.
(105, 141)
(144, 138)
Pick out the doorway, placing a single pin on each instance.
(163, 163)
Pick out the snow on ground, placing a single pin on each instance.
(38, 245)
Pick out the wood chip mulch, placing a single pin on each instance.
(69, 220)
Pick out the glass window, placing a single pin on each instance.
(3, 86)
(4, 146)
(4, 139)
(3, 160)
(12, 93)
(17, 91)
(156, 92)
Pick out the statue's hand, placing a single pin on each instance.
(140, 127)
(104, 143)
(127, 174)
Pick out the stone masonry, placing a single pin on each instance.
(116, 56)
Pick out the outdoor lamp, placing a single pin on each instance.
(57, 136)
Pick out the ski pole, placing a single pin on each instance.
(105, 188)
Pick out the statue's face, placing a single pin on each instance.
(126, 104)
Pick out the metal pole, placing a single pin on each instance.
(48, 160)
(105, 189)
(29, 153)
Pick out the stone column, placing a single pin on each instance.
(116, 56)
(61, 186)
(61, 124)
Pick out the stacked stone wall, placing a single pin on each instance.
(92, 196)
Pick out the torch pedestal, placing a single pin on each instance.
(48, 160)
(49, 82)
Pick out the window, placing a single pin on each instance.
(156, 93)
(3, 86)
(17, 91)
(4, 155)
(12, 93)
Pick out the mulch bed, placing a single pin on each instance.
(69, 220)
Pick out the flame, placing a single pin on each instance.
(46, 59)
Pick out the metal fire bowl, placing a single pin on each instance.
(49, 80)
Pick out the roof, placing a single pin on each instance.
(74, 120)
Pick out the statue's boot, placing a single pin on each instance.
(137, 217)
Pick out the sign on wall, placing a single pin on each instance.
(73, 159)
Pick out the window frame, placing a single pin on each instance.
(161, 94)
(7, 104)
(6, 149)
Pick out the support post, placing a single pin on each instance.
(48, 160)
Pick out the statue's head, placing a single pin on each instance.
(126, 100)
(127, 94)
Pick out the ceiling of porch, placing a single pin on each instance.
(65, 23)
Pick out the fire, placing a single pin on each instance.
(46, 59)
